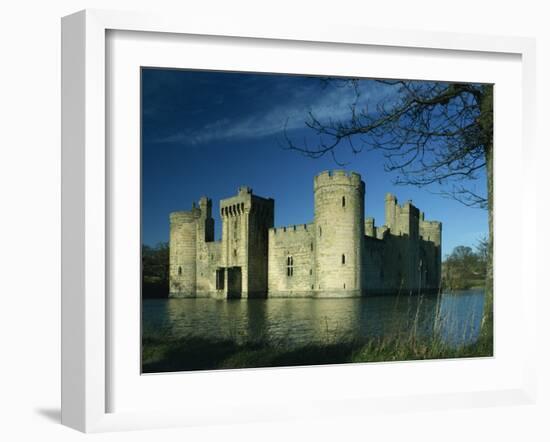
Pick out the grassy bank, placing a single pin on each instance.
(161, 354)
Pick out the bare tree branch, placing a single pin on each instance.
(429, 133)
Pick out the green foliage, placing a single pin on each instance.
(164, 354)
(466, 268)
(155, 270)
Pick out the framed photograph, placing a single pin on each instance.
(278, 222)
(304, 277)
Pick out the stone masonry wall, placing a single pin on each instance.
(339, 230)
(260, 220)
(295, 243)
(183, 252)
(340, 254)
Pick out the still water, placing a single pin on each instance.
(455, 317)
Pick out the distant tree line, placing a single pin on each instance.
(465, 267)
(154, 270)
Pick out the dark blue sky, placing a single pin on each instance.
(207, 133)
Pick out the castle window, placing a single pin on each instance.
(311, 271)
(179, 270)
(289, 266)
(343, 259)
(320, 231)
(311, 247)
(234, 252)
(344, 285)
(343, 201)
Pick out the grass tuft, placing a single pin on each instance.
(161, 354)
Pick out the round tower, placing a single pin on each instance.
(183, 253)
(339, 230)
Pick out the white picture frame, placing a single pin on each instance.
(86, 203)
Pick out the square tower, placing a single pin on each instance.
(246, 219)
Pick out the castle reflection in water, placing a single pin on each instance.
(293, 322)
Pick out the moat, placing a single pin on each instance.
(456, 317)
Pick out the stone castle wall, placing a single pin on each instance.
(206, 249)
(291, 261)
(374, 277)
(339, 254)
(183, 249)
(246, 219)
(339, 230)
(261, 219)
(234, 248)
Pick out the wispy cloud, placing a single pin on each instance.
(326, 104)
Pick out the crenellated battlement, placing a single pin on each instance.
(293, 228)
(434, 224)
(234, 209)
(337, 177)
(245, 190)
(431, 231)
(185, 216)
(407, 206)
(245, 202)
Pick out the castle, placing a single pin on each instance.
(339, 254)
